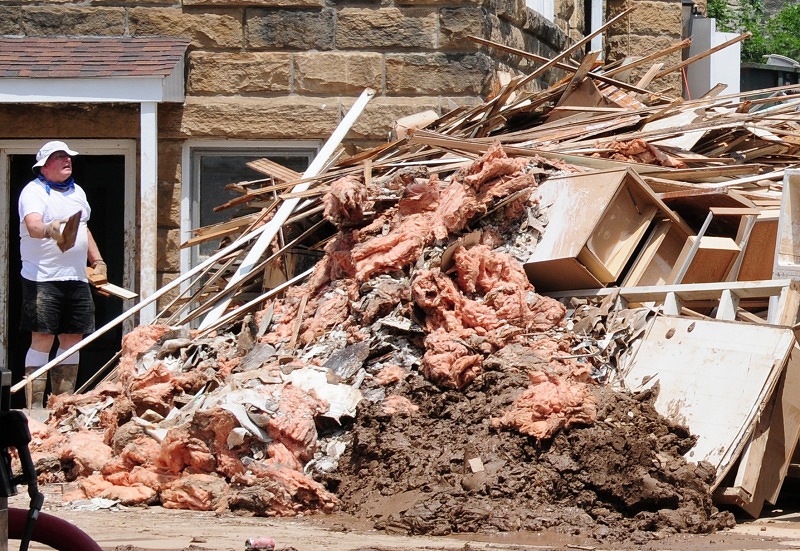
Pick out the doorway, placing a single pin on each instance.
(103, 177)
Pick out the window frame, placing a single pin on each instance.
(190, 189)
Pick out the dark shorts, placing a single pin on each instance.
(57, 307)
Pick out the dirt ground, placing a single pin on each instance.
(159, 529)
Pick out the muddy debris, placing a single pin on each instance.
(444, 468)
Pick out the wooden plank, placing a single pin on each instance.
(693, 292)
(727, 372)
(704, 54)
(765, 463)
(560, 273)
(273, 169)
(758, 256)
(787, 253)
(655, 260)
(711, 261)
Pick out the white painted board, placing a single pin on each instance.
(715, 377)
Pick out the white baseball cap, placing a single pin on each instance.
(48, 149)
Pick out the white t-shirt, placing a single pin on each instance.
(42, 260)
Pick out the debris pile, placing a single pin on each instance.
(438, 370)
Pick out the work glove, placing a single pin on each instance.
(99, 268)
(53, 231)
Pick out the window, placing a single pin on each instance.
(214, 167)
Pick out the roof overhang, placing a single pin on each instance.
(92, 70)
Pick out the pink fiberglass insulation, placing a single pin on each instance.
(550, 403)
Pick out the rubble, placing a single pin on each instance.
(439, 370)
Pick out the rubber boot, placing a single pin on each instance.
(34, 389)
(63, 378)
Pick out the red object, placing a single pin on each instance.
(58, 533)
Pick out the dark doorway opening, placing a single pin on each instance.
(103, 179)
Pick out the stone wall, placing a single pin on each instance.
(653, 26)
(283, 70)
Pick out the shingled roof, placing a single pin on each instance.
(89, 57)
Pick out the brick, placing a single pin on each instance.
(438, 74)
(61, 20)
(290, 29)
(239, 73)
(386, 28)
(205, 30)
(337, 73)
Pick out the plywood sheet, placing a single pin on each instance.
(727, 371)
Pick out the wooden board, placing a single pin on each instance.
(658, 255)
(560, 273)
(765, 463)
(759, 254)
(787, 252)
(712, 260)
(726, 373)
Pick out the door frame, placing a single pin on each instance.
(125, 148)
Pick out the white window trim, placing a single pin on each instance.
(188, 184)
(126, 148)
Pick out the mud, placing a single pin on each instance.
(444, 469)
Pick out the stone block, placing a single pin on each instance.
(79, 121)
(168, 249)
(168, 209)
(650, 18)
(424, 3)
(205, 30)
(129, 3)
(290, 29)
(67, 20)
(337, 72)
(457, 24)
(279, 118)
(163, 279)
(10, 21)
(230, 74)
(513, 11)
(438, 74)
(620, 46)
(170, 160)
(386, 28)
(258, 3)
(376, 120)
